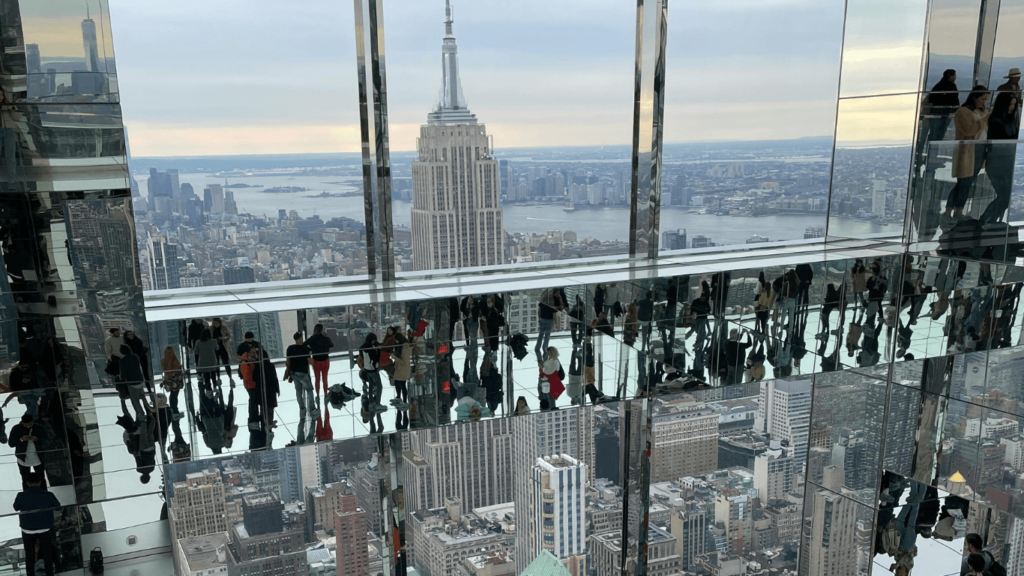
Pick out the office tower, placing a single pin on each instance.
(161, 191)
(878, 197)
(164, 272)
(239, 275)
(290, 478)
(350, 533)
(830, 534)
(92, 51)
(783, 413)
(662, 553)
(197, 506)
(1015, 547)
(773, 473)
(200, 555)
(536, 436)
(213, 199)
(685, 439)
(689, 527)
(850, 453)
(673, 240)
(505, 176)
(442, 538)
(366, 481)
(229, 203)
(103, 236)
(456, 214)
(733, 513)
(323, 502)
(263, 543)
(262, 513)
(558, 507)
(472, 463)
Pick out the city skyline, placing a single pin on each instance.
(534, 98)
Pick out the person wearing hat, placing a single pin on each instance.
(1012, 84)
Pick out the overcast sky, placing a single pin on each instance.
(261, 76)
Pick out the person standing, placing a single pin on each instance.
(206, 358)
(26, 449)
(135, 380)
(221, 334)
(36, 506)
(369, 371)
(173, 378)
(971, 121)
(403, 370)
(246, 345)
(1012, 85)
(1002, 125)
(24, 385)
(546, 323)
(644, 315)
(320, 347)
(195, 330)
(297, 372)
(943, 101)
(140, 349)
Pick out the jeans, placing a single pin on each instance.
(1000, 173)
(222, 357)
(136, 393)
(373, 386)
(403, 391)
(544, 337)
(45, 541)
(320, 369)
(303, 388)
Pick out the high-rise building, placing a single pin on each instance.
(351, 555)
(830, 533)
(784, 413)
(472, 463)
(673, 240)
(662, 553)
(198, 505)
(456, 214)
(213, 199)
(689, 527)
(558, 508)
(734, 515)
(164, 272)
(773, 473)
(685, 439)
(536, 436)
(239, 275)
(91, 47)
(878, 197)
(440, 539)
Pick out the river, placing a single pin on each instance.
(604, 224)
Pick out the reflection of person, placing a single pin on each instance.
(943, 100)
(35, 507)
(975, 549)
(320, 345)
(1012, 85)
(206, 358)
(971, 122)
(26, 449)
(521, 406)
(1002, 125)
(297, 371)
(134, 380)
(172, 381)
(550, 373)
(221, 335)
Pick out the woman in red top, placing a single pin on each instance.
(551, 371)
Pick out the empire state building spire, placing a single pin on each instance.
(451, 107)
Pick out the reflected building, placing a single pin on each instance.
(456, 214)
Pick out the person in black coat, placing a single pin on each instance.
(35, 507)
(1002, 125)
(27, 449)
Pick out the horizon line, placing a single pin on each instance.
(684, 142)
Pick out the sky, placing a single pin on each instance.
(251, 77)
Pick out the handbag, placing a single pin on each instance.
(561, 372)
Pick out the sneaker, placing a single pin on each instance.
(378, 408)
(178, 416)
(401, 405)
(315, 412)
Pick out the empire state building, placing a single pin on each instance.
(456, 214)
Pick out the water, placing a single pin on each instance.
(602, 224)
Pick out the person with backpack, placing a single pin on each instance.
(984, 563)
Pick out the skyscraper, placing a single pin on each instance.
(784, 413)
(456, 213)
(350, 533)
(163, 264)
(92, 51)
(558, 508)
(536, 436)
